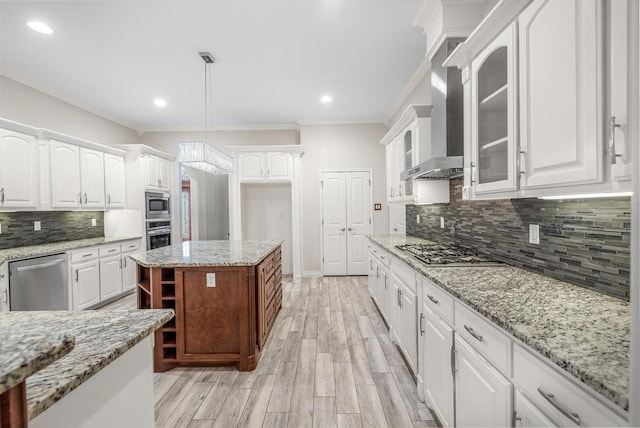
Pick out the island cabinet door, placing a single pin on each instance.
(215, 315)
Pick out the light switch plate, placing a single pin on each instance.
(418, 218)
(211, 280)
(441, 222)
(534, 234)
(36, 225)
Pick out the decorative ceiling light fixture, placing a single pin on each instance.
(201, 155)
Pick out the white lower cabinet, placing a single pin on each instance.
(128, 272)
(4, 287)
(527, 415)
(482, 394)
(403, 317)
(86, 284)
(436, 358)
(110, 276)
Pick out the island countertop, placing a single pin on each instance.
(583, 332)
(207, 253)
(100, 338)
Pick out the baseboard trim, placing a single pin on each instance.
(312, 274)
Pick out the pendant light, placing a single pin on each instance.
(199, 154)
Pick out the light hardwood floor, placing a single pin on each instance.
(328, 363)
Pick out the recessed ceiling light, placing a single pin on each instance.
(326, 99)
(159, 102)
(40, 27)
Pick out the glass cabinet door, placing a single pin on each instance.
(493, 160)
(407, 145)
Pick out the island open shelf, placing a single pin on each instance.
(224, 312)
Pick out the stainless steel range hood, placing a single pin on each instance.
(447, 127)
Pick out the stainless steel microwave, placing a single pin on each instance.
(158, 205)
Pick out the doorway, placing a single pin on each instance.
(346, 221)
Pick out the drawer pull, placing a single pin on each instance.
(88, 255)
(433, 299)
(421, 328)
(473, 333)
(575, 418)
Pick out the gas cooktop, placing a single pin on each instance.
(446, 255)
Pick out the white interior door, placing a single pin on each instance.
(334, 220)
(358, 205)
(346, 214)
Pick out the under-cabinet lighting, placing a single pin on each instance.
(204, 157)
(587, 196)
(40, 27)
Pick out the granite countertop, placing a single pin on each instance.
(208, 253)
(21, 356)
(20, 253)
(584, 332)
(100, 338)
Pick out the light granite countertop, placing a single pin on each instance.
(21, 356)
(207, 253)
(20, 253)
(584, 332)
(100, 338)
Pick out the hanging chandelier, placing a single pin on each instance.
(198, 154)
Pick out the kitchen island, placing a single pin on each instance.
(105, 378)
(226, 295)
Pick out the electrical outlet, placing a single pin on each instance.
(94, 222)
(534, 234)
(211, 280)
(418, 218)
(0, 228)
(37, 225)
(441, 222)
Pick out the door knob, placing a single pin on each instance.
(342, 230)
(349, 229)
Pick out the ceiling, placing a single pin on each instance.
(274, 59)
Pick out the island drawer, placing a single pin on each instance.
(83, 254)
(270, 289)
(553, 393)
(131, 246)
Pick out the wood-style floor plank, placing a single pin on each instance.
(346, 396)
(256, 407)
(349, 420)
(230, 414)
(417, 409)
(217, 396)
(170, 401)
(275, 420)
(391, 400)
(307, 356)
(370, 406)
(188, 407)
(324, 412)
(376, 357)
(325, 382)
(283, 388)
(301, 414)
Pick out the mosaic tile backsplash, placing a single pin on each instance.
(584, 241)
(56, 226)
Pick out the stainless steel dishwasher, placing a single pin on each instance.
(39, 284)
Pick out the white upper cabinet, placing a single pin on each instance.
(561, 97)
(279, 166)
(493, 143)
(617, 127)
(114, 181)
(164, 174)
(18, 170)
(92, 178)
(157, 172)
(65, 175)
(269, 166)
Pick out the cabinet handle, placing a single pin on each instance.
(349, 229)
(473, 333)
(268, 174)
(575, 418)
(472, 176)
(421, 328)
(76, 275)
(85, 198)
(377, 272)
(399, 189)
(522, 163)
(612, 140)
(385, 282)
(453, 360)
(125, 262)
(108, 199)
(433, 299)
(88, 255)
(2, 195)
(261, 175)
(80, 198)
(370, 264)
(342, 230)
(395, 229)
(120, 263)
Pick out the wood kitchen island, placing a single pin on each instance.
(226, 296)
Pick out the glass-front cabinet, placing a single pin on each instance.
(493, 141)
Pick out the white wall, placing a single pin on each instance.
(26, 105)
(338, 146)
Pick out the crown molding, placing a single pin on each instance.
(341, 122)
(38, 86)
(222, 128)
